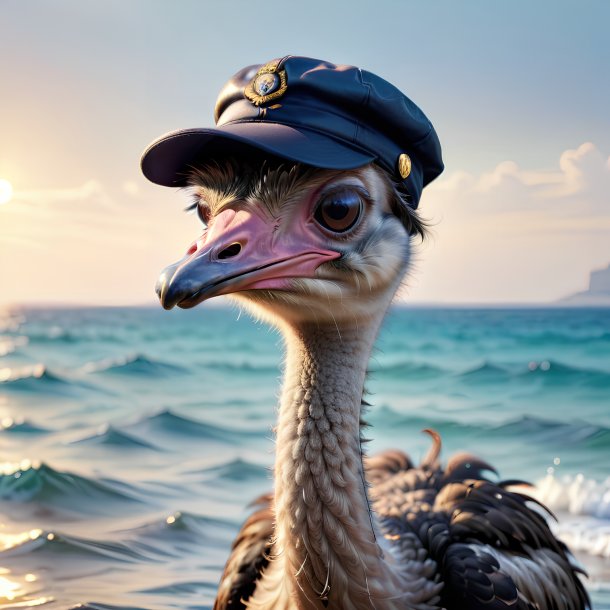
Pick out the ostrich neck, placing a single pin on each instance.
(324, 527)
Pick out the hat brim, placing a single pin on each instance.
(168, 159)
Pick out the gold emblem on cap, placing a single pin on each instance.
(268, 84)
(404, 165)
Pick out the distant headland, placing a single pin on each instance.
(597, 294)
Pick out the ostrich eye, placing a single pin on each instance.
(340, 210)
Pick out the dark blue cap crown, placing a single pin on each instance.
(313, 112)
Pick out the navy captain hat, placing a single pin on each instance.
(313, 112)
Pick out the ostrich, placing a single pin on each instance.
(309, 224)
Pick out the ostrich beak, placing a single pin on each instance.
(240, 251)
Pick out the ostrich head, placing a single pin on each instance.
(301, 243)
(307, 189)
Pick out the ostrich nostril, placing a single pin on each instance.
(230, 251)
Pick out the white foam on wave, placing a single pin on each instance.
(583, 508)
(35, 371)
(576, 495)
(585, 535)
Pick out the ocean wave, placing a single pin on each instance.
(577, 495)
(583, 506)
(184, 525)
(239, 470)
(75, 330)
(563, 338)
(109, 435)
(591, 536)
(10, 344)
(134, 364)
(408, 370)
(52, 334)
(20, 426)
(38, 378)
(559, 373)
(412, 345)
(167, 421)
(38, 482)
(23, 376)
(67, 547)
(576, 432)
(388, 419)
(183, 588)
(181, 533)
(97, 606)
(485, 373)
(549, 372)
(243, 367)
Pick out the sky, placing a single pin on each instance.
(518, 92)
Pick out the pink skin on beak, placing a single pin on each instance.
(242, 250)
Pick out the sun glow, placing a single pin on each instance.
(6, 191)
(13, 592)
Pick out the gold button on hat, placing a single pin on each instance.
(404, 165)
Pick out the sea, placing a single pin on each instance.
(132, 440)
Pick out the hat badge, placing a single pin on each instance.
(268, 84)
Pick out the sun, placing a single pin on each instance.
(6, 191)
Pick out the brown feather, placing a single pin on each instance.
(249, 556)
(463, 520)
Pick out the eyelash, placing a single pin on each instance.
(201, 209)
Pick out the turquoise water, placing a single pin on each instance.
(132, 439)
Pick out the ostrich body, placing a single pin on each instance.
(308, 189)
(320, 254)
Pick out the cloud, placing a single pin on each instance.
(131, 187)
(578, 187)
(514, 234)
(91, 192)
(91, 189)
(44, 218)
